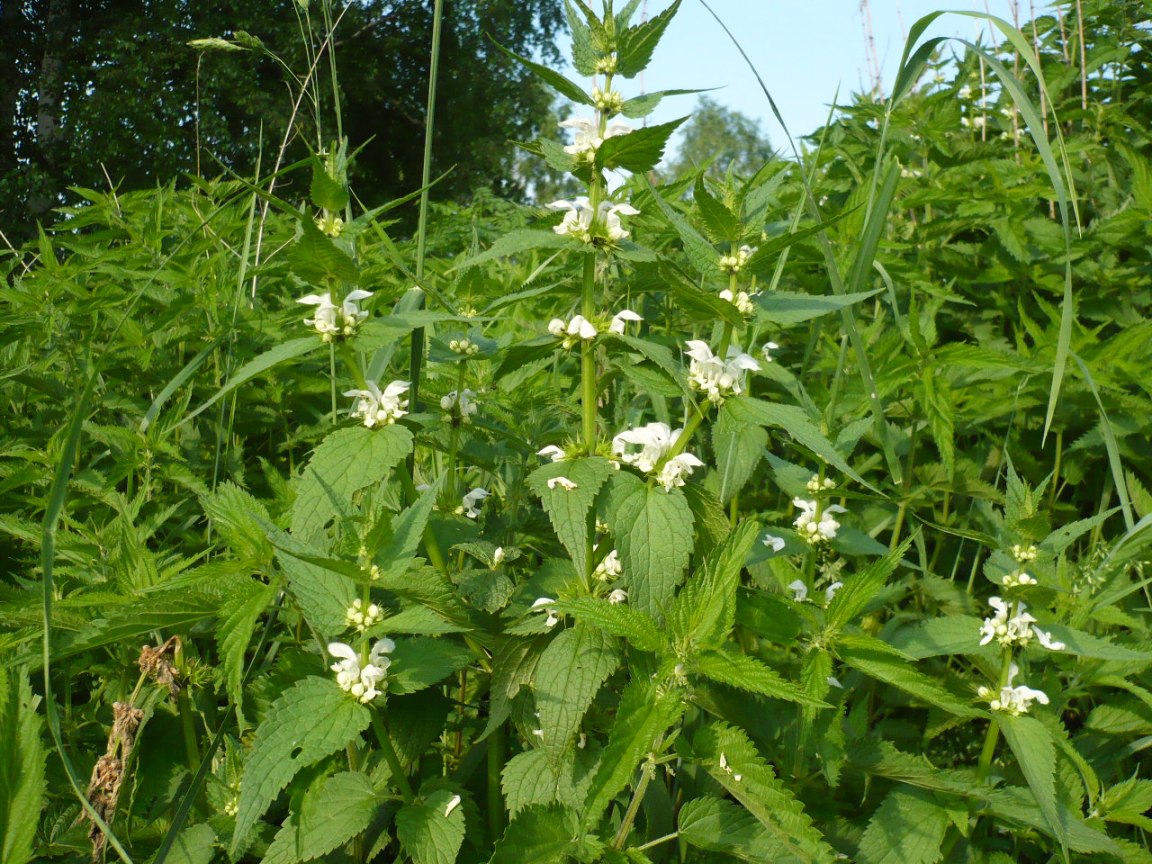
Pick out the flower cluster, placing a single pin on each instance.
(647, 447)
(609, 568)
(581, 223)
(815, 485)
(1024, 554)
(767, 348)
(800, 591)
(742, 300)
(464, 346)
(580, 328)
(359, 680)
(718, 379)
(1019, 579)
(813, 528)
(1015, 630)
(735, 262)
(332, 321)
(587, 138)
(464, 402)
(607, 101)
(362, 618)
(1012, 700)
(378, 408)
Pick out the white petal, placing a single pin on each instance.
(339, 649)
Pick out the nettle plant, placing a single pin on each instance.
(601, 580)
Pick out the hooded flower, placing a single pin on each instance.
(330, 320)
(546, 604)
(378, 408)
(1015, 630)
(1013, 700)
(552, 452)
(817, 530)
(718, 379)
(470, 503)
(620, 319)
(359, 680)
(581, 223)
(647, 446)
(463, 400)
(586, 139)
(571, 332)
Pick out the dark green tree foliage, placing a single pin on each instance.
(93, 92)
(720, 137)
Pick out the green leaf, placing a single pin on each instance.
(520, 240)
(722, 225)
(1097, 647)
(955, 634)
(528, 779)
(637, 151)
(539, 835)
(618, 619)
(306, 723)
(645, 103)
(1035, 752)
(571, 671)
(333, 811)
(233, 634)
(796, 422)
(194, 845)
(906, 829)
(317, 260)
(653, 533)
(748, 673)
(634, 46)
(733, 761)
(784, 307)
(718, 825)
(322, 595)
(329, 192)
(644, 714)
(22, 786)
(423, 661)
(739, 447)
(432, 831)
(346, 461)
(704, 611)
(878, 660)
(407, 530)
(568, 509)
(289, 350)
(513, 665)
(567, 89)
(858, 590)
(937, 404)
(584, 51)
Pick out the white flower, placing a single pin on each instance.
(799, 590)
(453, 803)
(767, 348)
(1045, 639)
(1017, 630)
(1019, 579)
(1023, 554)
(360, 618)
(377, 408)
(464, 400)
(470, 503)
(497, 557)
(833, 681)
(610, 567)
(608, 101)
(742, 300)
(1013, 700)
(586, 139)
(359, 680)
(831, 590)
(654, 440)
(546, 604)
(735, 262)
(582, 224)
(557, 326)
(620, 318)
(811, 529)
(611, 214)
(572, 331)
(965, 92)
(718, 379)
(776, 543)
(676, 469)
(552, 452)
(815, 484)
(618, 596)
(332, 320)
(563, 482)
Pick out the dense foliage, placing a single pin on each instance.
(791, 514)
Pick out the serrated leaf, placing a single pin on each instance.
(322, 594)
(645, 103)
(748, 673)
(396, 557)
(22, 786)
(722, 225)
(539, 835)
(954, 634)
(316, 259)
(529, 780)
(429, 831)
(345, 462)
(860, 588)
(637, 151)
(306, 723)
(738, 447)
(568, 509)
(233, 634)
(644, 714)
(520, 240)
(1035, 753)
(704, 611)
(1097, 647)
(584, 52)
(567, 89)
(618, 619)
(423, 661)
(937, 404)
(571, 671)
(513, 665)
(733, 761)
(327, 192)
(717, 825)
(333, 811)
(194, 845)
(653, 533)
(878, 660)
(635, 45)
(906, 829)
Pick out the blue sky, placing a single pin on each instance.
(803, 49)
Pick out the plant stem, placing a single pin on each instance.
(495, 768)
(392, 759)
(588, 384)
(993, 733)
(332, 379)
(621, 838)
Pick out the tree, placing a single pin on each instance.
(719, 137)
(93, 91)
